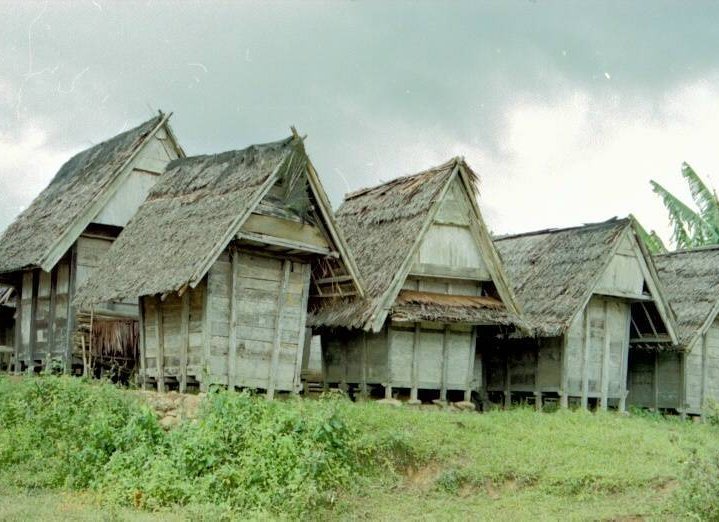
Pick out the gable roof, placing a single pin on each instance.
(71, 200)
(384, 226)
(555, 271)
(691, 282)
(192, 214)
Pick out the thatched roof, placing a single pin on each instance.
(552, 271)
(29, 241)
(383, 225)
(191, 215)
(691, 283)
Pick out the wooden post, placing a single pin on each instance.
(656, 380)
(18, 327)
(184, 339)
(537, 389)
(33, 320)
(388, 347)
(232, 347)
(51, 313)
(278, 330)
(564, 397)
(365, 390)
(305, 359)
(585, 359)
(160, 334)
(204, 383)
(470, 366)
(413, 394)
(704, 374)
(682, 386)
(305, 338)
(143, 350)
(624, 364)
(605, 360)
(445, 350)
(71, 318)
(507, 381)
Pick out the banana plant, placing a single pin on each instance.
(692, 228)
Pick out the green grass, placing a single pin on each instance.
(71, 450)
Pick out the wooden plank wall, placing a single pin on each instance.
(44, 309)
(424, 356)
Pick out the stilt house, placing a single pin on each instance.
(7, 326)
(226, 255)
(435, 289)
(53, 246)
(683, 380)
(593, 295)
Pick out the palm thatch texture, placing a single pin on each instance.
(692, 227)
(553, 270)
(31, 237)
(691, 283)
(188, 218)
(383, 225)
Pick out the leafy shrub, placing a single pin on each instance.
(698, 496)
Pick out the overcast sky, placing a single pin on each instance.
(565, 110)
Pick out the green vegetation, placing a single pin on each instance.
(85, 447)
(692, 228)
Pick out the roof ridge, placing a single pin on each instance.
(692, 250)
(612, 221)
(395, 181)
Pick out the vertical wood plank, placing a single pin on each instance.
(413, 393)
(704, 373)
(278, 330)
(656, 380)
(388, 347)
(605, 360)
(143, 349)
(184, 339)
(71, 318)
(18, 327)
(33, 320)
(365, 390)
(585, 359)
(445, 350)
(682, 406)
(537, 390)
(564, 392)
(470, 366)
(232, 349)
(624, 363)
(160, 334)
(301, 342)
(204, 383)
(51, 313)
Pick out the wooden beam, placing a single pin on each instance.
(445, 350)
(388, 347)
(143, 348)
(656, 380)
(624, 364)
(705, 370)
(682, 407)
(18, 327)
(184, 340)
(448, 272)
(71, 312)
(470, 366)
(274, 368)
(205, 382)
(413, 394)
(301, 342)
(160, 337)
(605, 360)
(284, 229)
(33, 320)
(564, 393)
(585, 358)
(286, 243)
(649, 318)
(232, 348)
(51, 313)
(334, 279)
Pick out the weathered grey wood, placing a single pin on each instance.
(305, 337)
(415, 362)
(470, 367)
(445, 348)
(160, 334)
(233, 336)
(656, 381)
(705, 367)
(564, 393)
(71, 316)
(682, 406)
(605, 360)
(33, 320)
(18, 328)
(143, 347)
(204, 383)
(537, 389)
(624, 366)
(302, 233)
(184, 340)
(585, 357)
(388, 344)
(51, 313)
(365, 390)
(286, 243)
(448, 272)
(278, 330)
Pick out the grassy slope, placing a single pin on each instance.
(514, 465)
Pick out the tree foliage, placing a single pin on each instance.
(692, 228)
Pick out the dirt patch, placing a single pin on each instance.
(423, 478)
(172, 407)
